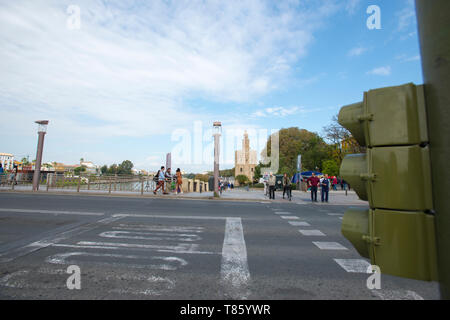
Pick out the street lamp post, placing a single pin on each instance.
(217, 131)
(42, 129)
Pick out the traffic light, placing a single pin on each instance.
(394, 175)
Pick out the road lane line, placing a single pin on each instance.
(52, 212)
(353, 265)
(126, 215)
(234, 271)
(299, 223)
(329, 245)
(312, 233)
(290, 217)
(282, 212)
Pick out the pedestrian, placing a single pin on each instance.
(161, 180)
(335, 182)
(313, 183)
(179, 181)
(272, 181)
(287, 186)
(325, 184)
(1, 172)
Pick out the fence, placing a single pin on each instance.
(92, 183)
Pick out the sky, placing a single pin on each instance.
(134, 80)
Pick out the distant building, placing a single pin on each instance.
(90, 167)
(245, 160)
(7, 161)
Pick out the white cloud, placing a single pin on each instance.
(277, 112)
(382, 71)
(357, 51)
(352, 6)
(130, 68)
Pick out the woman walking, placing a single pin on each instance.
(179, 181)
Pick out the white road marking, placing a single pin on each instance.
(149, 236)
(282, 212)
(126, 215)
(299, 223)
(353, 265)
(158, 228)
(290, 217)
(62, 258)
(397, 295)
(180, 248)
(57, 212)
(312, 233)
(234, 269)
(335, 214)
(329, 246)
(51, 240)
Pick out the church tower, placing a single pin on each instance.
(245, 159)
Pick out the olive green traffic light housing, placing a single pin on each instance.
(394, 176)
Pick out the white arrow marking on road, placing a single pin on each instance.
(63, 257)
(148, 236)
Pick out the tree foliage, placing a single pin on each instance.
(124, 168)
(341, 141)
(294, 141)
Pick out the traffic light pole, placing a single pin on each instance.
(434, 32)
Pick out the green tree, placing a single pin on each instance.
(242, 179)
(125, 167)
(104, 169)
(295, 141)
(257, 174)
(330, 167)
(78, 170)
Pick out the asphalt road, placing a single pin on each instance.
(131, 248)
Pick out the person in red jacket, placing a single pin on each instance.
(313, 183)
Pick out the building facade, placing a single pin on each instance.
(7, 161)
(245, 160)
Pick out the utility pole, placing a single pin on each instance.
(42, 129)
(434, 33)
(217, 130)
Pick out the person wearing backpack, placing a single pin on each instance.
(161, 180)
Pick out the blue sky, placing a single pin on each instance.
(139, 79)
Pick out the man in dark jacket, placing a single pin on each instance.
(325, 183)
(313, 183)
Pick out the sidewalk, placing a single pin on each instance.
(299, 197)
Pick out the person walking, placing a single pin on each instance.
(325, 184)
(335, 182)
(179, 181)
(2, 172)
(161, 180)
(313, 183)
(287, 186)
(272, 181)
